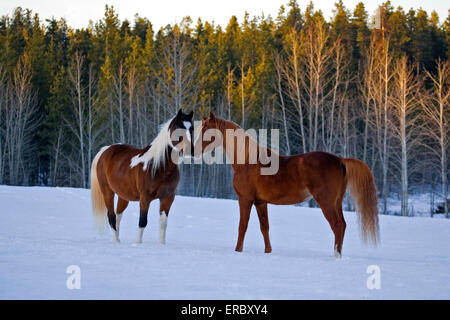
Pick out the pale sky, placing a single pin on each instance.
(163, 12)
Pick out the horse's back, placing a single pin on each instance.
(114, 170)
(323, 172)
(319, 161)
(117, 154)
(123, 148)
(297, 174)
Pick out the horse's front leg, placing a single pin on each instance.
(245, 207)
(144, 204)
(261, 208)
(164, 208)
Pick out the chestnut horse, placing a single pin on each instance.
(139, 175)
(320, 175)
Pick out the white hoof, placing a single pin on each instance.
(162, 227)
(116, 237)
(139, 237)
(337, 254)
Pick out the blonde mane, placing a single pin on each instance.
(157, 153)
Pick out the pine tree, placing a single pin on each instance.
(399, 33)
(447, 33)
(421, 40)
(361, 32)
(438, 50)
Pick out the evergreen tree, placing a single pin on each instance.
(399, 33)
(438, 43)
(297, 72)
(447, 33)
(421, 40)
(361, 32)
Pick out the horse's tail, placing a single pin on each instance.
(364, 193)
(98, 203)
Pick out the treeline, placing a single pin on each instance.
(373, 86)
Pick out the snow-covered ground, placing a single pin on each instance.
(418, 204)
(45, 230)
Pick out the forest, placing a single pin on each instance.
(368, 85)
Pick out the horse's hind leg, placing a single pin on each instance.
(261, 208)
(108, 196)
(121, 206)
(341, 221)
(337, 224)
(164, 208)
(341, 228)
(335, 218)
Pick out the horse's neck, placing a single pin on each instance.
(233, 155)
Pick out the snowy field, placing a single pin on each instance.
(45, 230)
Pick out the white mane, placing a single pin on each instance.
(157, 153)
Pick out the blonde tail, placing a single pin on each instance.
(364, 193)
(98, 203)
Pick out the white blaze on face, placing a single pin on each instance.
(169, 134)
(197, 131)
(188, 125)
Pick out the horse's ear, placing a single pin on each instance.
(191, 114)
(212, 116)
(180, 112)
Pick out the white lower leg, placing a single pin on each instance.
(116, 232)
(140, 233)
(337, 254)
(162, 227)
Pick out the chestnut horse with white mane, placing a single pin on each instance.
(320, 175)
(139, 175)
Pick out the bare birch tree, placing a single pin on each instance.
(436, 112)
(381, 116)
(118, 79)
(278, 68)
(365, 85)
(340, 81)
(405, 114)
(75, 74)
(316, 59)
(177, 71)
(131, 90)
(20, 122)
